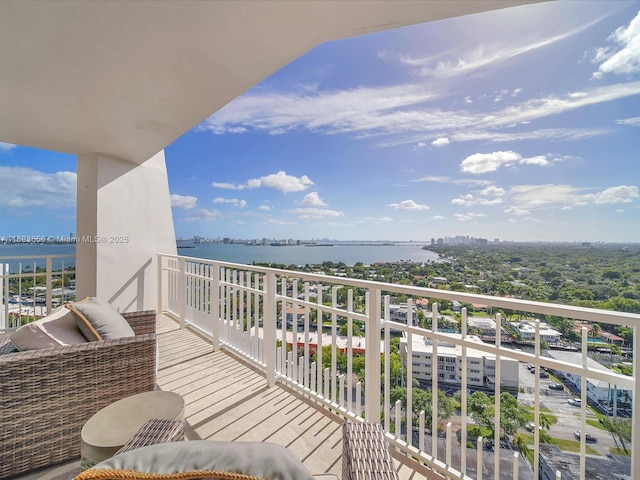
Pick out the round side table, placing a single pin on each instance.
(110, 428)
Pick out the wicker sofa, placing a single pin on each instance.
(47, 395)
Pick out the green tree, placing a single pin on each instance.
(512, 414)
(481, 410)
(620, 429)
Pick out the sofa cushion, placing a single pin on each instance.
(98, 320)
(55, 329)
(256, 459)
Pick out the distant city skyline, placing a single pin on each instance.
(520, 124)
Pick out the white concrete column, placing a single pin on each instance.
(123, 220)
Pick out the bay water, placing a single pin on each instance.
(348, 253)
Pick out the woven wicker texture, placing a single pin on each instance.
(47, 395)
(132, 475)
(364, 453)
(155, 431)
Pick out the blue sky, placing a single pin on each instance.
(520, 124)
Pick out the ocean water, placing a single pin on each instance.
(348, 253)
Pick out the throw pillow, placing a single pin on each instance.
(53, 330)
(98, 320)
(263, 460)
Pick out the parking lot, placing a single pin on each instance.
(557, 403)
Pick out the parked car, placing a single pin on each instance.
(588, 437)
(543, 374)
(576, 402)
(556, 386)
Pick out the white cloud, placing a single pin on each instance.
(227, 186)
(203, 215)
(577, 94)
(571, 134)
(185, 202)
(408, 205)
(265, 208)
(375, 219)
(536, 196)
(401, 114)
(5, 147)
(352, 110)
(28, 188)
(233, 201)
(489, 162)
(499, 95)
(421, 145)
(633, 121)
(454, 181)
(493, 191)
(468, 100)
(540, 160)
(620, 194)
(623, 57)
(526, 197)
(313, 199)
(484, 56)
(465, 217)
(440, 142)
(311, 212)
(278, 221)
(516, 211)
(437, 217)
(280, 181)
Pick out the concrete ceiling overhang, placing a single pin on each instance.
(126, 78)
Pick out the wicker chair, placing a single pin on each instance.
(365, 455)
(47, 395)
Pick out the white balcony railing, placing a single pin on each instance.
(30, 286)
(261, 313)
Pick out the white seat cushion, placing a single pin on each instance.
(56, 329)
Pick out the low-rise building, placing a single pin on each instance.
(597, 390)
(527, 331)
(482, 325)
(480, 368)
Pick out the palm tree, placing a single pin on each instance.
(520, 444)
(596, 330)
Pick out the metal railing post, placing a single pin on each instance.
(182, 291)
(372, 356)
(159, 299)
(635, 426)
(4, 286)
(49, 286)
(214, 307)
(270, 328)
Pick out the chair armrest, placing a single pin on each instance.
(141, 322)
(364, 453)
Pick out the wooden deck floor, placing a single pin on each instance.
(227, 400)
